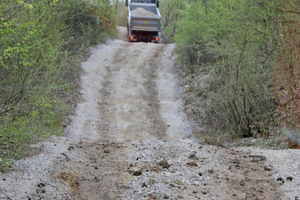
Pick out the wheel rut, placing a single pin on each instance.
(129, 112)
(131, 140)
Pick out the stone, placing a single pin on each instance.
(41, 184)
(268, 168)
(155, 169)
(196, 183)
(192, 164)
(193, 156)
(64, 124)
(135, 171)
(152, 182)
(189, 111)
(204, 192)
(164, 163)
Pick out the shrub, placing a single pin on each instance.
(233, 41)
(38, 42)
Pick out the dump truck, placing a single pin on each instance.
(143, 21)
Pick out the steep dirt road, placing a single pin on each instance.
(130, 140)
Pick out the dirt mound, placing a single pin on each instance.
(141, 12)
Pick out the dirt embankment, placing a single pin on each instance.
(130, 139)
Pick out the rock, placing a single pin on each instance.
(152, 197)
(64, 124)
(166, 197)
(179, 182)
(41, 184)
(189, 111)
(204, 192)
(70, 148)
(192, 164)
(268, 168)
(195, 183)
(257, 158)
(152, 182)
(68, 120)
(280, 180)
(193, 156)
(289, 178)
(155, 169)
(144, 185)
(164, 163)
(211, 171)
(135, 171)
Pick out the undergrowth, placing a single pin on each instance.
(234, 43)
(250, 51)
(41, 45)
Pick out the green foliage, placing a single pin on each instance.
(85, 28)
(38, 41)
(170, 11)
(31, 41)
(121, 13)
(42, 120)
(233, 41)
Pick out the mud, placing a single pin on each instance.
(130, 139)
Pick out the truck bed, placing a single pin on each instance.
(144, 11)
(144, 17)
(141, 12)
(144, 22)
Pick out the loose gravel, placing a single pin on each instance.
(130, 139)
(141, 12)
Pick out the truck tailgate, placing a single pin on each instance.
(140, 23)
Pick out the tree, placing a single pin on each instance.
(233, 41)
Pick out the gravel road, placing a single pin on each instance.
(131, 140)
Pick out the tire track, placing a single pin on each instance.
(128, 108)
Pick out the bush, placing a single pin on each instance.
(39, 42)
(233, 41)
